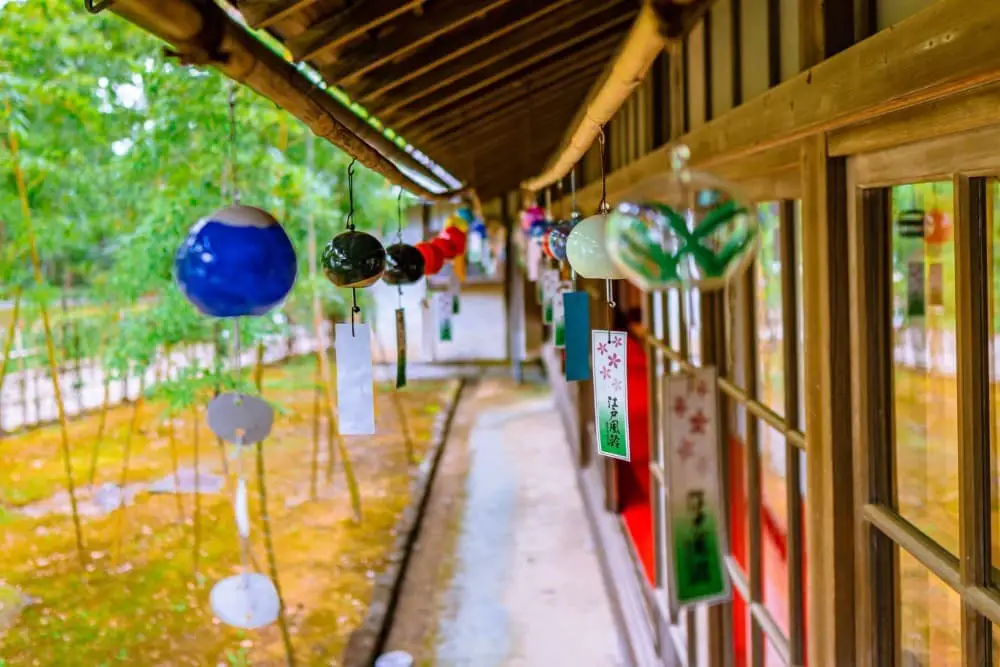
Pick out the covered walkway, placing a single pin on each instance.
(504, 572)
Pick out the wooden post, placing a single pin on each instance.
(829, 482)
(826, 28)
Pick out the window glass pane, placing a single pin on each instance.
(930, 617)
(771, 392)
(693, 312)
(925, 387)
(770, 362)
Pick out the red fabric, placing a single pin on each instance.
(633, 476)
(446, 246)
(774, 559)
(433, 259)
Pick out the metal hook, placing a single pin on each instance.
(99, 7)
(603, 207)
(350, 198)
(399, 217)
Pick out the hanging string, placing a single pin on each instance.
(399, 237)
(350, 195)
(604, 208)
(355, 309)
(609, 294)
(572, 190)
(232, 143)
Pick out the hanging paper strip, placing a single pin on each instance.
(696, 525)
(453, 288)
(533, 260)
(915, 290)
(459, 268)
(550, 286)
(576, 307)
(443, 305)
(611, 393)
(559, 314)
(355, 394)
(400, 348)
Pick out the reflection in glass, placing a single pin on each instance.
(771, 392)
(925, 386)
(930, 617)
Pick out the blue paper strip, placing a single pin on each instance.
(577, 314)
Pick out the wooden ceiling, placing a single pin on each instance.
(486, 88)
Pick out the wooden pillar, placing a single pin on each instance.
(826, 28)
(829, 482)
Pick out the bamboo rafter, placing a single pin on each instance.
(203, 34)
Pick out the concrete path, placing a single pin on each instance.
(504, 573)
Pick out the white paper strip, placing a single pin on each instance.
(695, 515)
(550, 287)
(242, 509)
(532, 259)
(355, 393)
(611, 393)
(559, 315)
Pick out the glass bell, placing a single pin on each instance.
(404, 265)
(698, 234)
(236, 262)
(353, 259)
(587, 249)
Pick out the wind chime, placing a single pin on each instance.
(697, 236)
(354, 260)
(405, 265)
(238, 262)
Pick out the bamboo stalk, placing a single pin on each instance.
(36, 266)
(174, 456)
(314, 465)
(332, 436)
(126, 461)
(102, 420)
(265, 519)
(196, 444)
(196, 529)
(9, 341)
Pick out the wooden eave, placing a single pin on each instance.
(485, 88)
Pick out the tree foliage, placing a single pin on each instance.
(123, 150)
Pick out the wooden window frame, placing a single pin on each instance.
(881, 531)
(735, 394)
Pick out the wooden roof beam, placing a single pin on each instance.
(441, 52)
(264, 13)
(531, 99)
(534, 121)
(439, 19)
(512, 92)
(639, 50)
(333, 32)
(551, 31)
(607, 34)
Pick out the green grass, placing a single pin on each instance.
(138, 601)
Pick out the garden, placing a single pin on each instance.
(116, 513)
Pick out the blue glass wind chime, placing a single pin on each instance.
(238, 262)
